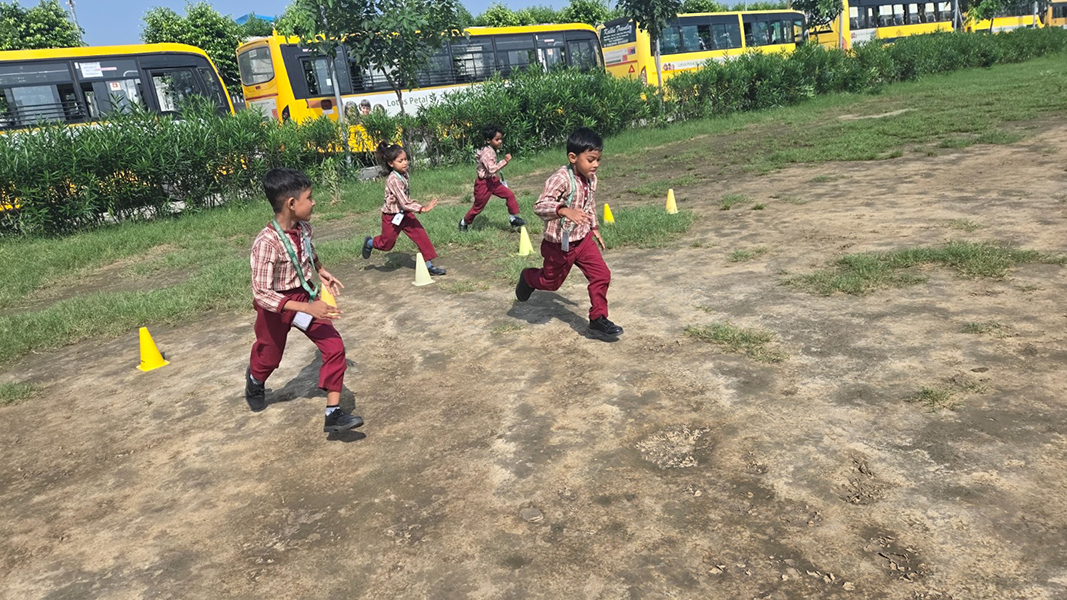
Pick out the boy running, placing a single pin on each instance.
(572, 233)
(488, 182)
(283, 260)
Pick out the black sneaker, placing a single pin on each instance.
(368, 245)
(436, 270)
(523, 289)
(603, 325)
(462, 226)
(338, 421)
(254, 393)
(517, 221)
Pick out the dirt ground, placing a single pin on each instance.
(507, 455)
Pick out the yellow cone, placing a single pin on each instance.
(150, 356)
(525, 247)
(422, 274)
(608, 217)
(327, 297)
(672, 208)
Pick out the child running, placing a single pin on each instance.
(572, 233)
(398, 212)
(488, 182)
(283, 260)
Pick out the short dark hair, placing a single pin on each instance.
(584, 139)
(490, 131)
(281, 184)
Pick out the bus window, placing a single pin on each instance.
(515, 52)
(36, 92)
(438, 69)
(691, 39)
(473, 59)
(103, 98)
(898, 14)
(726, 35)
(854, 17)
(550, 50)
(944, 11)
(317, 75)
(800, 32)
(777, 32)
(172, 86)
(256, 66)
(757, 33)
(671, 41)
(581, 54)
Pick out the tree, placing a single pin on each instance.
(464, 18)
(819, 12)
(592, 12)
(203, 27)
(652, 16)
(256, 27)
(43, 26)
(498, 15)
(702, 6)
(404, 37)
(536, 15)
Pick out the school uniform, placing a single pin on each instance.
(488, 184)
(398, 214)
(274, 283)
(567, 188)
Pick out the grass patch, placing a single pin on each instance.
(656, 189)
(998, 136)
(506, 328)
(956, 143)
(750, 342)
(741, 255)
(464, 286)
(731, 200)
(13, 393)
(936, 398)
(963, 225)
(758, 207)
(864, 273)
(825, 178)
(981, 327)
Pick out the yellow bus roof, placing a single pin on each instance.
(89, 51)
(473, 31)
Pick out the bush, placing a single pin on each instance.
(58, 179)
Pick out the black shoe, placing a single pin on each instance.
(368, 245)
(338, 421)
(518, 221)
(463, 226)
(603, 325)
(254, 393)
(523, 289)
(435, 270)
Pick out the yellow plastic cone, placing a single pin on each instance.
(672, 208)
(525, 247)
(150, 356)
(608, 217)
(422, 274)
(327, 297)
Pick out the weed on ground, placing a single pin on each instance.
(753, 343)
(743, 254)
(13, 393)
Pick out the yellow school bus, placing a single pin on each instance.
(692, 39)
(887, 20)
(286, 81)
(1011, 19)
(87, 84)
(1056, 15)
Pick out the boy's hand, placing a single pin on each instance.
(321, 310)
(429, 206)
(507, 157)
(599, 239)
(331, 282)
(576, 216)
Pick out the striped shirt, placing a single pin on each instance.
(398, 195)
(488, 166)
(273, 270)
(557, 191)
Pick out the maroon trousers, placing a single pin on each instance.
(485, 189)
(411, 227)
(584, 253)
(272, 329)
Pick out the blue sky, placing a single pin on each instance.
(119, 21)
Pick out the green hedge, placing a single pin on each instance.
(754, 81)
(58, 179)
(142, 165)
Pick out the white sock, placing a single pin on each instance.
(330, 409)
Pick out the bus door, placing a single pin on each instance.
(173, 78)
(550, 49)
(109, 85)
(583, 52)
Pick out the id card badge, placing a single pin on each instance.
(566, 243)
(302, 321)
(397, 218)
(503, 183)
